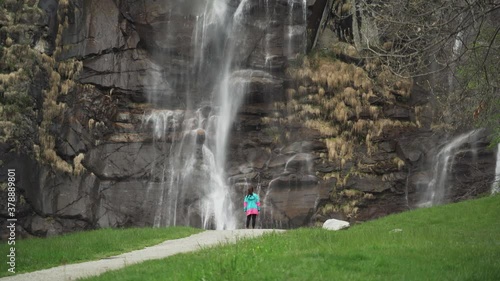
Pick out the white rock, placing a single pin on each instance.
(333, 224)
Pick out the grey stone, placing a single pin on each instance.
(303, 162)
(397, 112)
(124, 160)
(368, 183)
(128, 203)
(278, 161)
(292, 200)
(243, 177)
(333, 224)
(95, 29)
(129, 70)
(73, 140)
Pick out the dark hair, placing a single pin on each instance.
(250, 191)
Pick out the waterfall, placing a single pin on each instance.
(495, 187)
(296, 35)
(189, 163)
(455, 54)
(438, 187)
(189, 169)
(296, 181)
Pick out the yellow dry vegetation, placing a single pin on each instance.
(338, 101)
(344, 103)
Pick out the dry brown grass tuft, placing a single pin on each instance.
(321, 92)
(51, 156)
(332, 97)
(346, 8)
(398, 162)
(302, 91)
(77, 164)
(339, 149)
(309, 111)
(325, 128)
(351, 193)
(374, 112)
(368, 196)
(290, 93)
(341, 112)
(360, 127)
(328, 209)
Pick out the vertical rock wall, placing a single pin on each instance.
(327, 135)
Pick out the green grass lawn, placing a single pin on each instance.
(453, 242)
(40, 253)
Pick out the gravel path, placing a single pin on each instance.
(165, 249)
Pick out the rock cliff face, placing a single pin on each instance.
(322, 136)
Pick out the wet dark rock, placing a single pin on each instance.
(293, 180)
(44, 226)
(368, 183)
(245, 178)
(413, 146)
(130, 58)
(304, 146)
(302, 162)
(72, 140)
(94, 29)
(129, 70)
(327, 167)
(292, 201)
(397, 112)
(278, 161)
(127, 203)
(121, 161)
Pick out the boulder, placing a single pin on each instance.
(333, 224)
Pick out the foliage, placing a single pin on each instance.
(453, 242)
(31, 84)
(39, 253)
(442, 43)
(479, 74)
(415, 37)
(320, 54)
(16, 101)
(333, 98)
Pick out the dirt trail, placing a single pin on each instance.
(165, 249)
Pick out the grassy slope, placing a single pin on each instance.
(40, 253)
(453, 242)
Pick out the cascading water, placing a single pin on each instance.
(457, 46)
(192, 186)
(495, 187)
(296, 35)
(438, 187)
(288, 189)
(190, 165)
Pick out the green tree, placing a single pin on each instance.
(479, 75)
(452, 47)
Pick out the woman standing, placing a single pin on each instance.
(251, 206)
